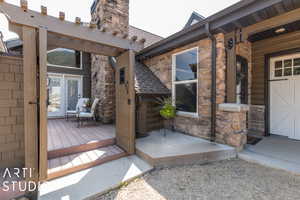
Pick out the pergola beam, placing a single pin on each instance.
(58, 41)
(18, 16)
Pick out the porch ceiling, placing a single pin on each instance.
(290, 27)
(279, 7)
(66, 34)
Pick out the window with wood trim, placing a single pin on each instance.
(62, 57)
(185, 81)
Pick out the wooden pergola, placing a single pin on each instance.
(41, 32)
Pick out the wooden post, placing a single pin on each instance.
(134, 38)
(43, 10)
(43, 161)
(24, 4)
(78, 20)
(30, 101)
(62, 16)
(231, 68)
(125, 102)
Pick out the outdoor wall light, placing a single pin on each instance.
(280, 30)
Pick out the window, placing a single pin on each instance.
(61, 57)
(185, 80)
(241, 80)
(287, 67)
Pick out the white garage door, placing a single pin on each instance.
(285, 96)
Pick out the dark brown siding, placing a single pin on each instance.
(148, 117)
(85, 72)
(259, 50)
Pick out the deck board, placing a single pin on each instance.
(68, 164)
(64, 134)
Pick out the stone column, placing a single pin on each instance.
(232, 125)
(113, 14)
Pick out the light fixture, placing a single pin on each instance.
(280, 30)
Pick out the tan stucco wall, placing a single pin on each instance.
(11, 112)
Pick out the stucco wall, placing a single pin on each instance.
(11, 112)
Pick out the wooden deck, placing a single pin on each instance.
(65, 138)
(68, 164)
(71, 149)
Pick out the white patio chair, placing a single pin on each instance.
(87, 115)
(79, 108)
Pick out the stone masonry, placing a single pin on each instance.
(234, 121)
(113, 15)
(11, 112)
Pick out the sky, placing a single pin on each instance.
(161, 17)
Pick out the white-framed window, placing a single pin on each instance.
(67, 58)
(185, 81)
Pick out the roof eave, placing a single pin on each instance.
(197, 31)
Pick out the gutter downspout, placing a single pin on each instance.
(213, 82)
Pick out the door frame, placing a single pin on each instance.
(64, 82)
(267, 98)
(63, 95)
(80, 87)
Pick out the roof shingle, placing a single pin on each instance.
(146, 82)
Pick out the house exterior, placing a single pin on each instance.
(231, 74)
(227, 71)
(215, 69)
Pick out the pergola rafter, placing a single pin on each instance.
(104, 43)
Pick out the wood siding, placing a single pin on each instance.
(148, 117)
(259, 50)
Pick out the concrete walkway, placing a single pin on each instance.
(180, 149)
(94, 181)
(275, 151)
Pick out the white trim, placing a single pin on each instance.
(273, 60)
(62, 66)
(174, 82)
(64, 83)
(80, 90)
(187, 114)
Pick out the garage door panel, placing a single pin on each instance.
(285, 96)
(297, 108)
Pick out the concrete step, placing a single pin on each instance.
(268, 161)
(65, 165)
(177, 149)
(94, 181)
(80, 148)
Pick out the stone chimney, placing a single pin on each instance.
(113, 15)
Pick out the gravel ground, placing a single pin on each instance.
(226, 180)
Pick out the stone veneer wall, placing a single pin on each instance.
(230, 125)
(256, 120)
(11, 112)
(115, 16)
(161, 66)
